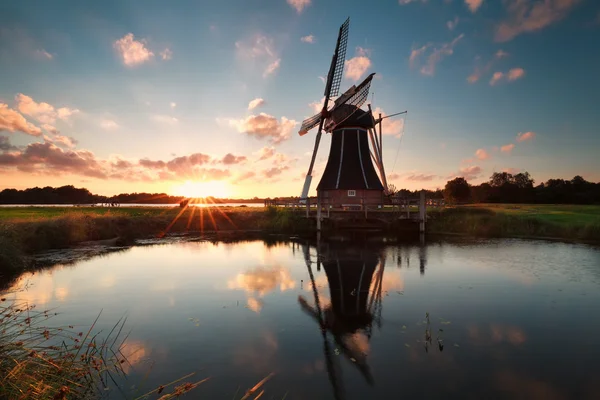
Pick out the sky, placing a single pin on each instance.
(206, 98)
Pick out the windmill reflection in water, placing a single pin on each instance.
(355, 277)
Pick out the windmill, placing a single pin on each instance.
(349, 174)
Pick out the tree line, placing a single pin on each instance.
(504, 187)
(72, 195)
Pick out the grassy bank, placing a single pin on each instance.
(567, 222)
(27, 230)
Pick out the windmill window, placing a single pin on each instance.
(351, 193)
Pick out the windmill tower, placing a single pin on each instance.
(350, 176)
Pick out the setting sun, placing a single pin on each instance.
(192, 189)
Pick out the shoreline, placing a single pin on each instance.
(27, 231)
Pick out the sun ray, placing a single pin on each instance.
(162, 234)
(225, 216)
(193, 209)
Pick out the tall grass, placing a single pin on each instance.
(41, 362)
(483, 222)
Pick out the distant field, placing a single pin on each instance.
(561, 214)
(35, 213)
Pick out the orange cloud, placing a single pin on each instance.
(482, 154)
(43, 112)
(435, 57)
(132, 52)
(531, 16)
(473, 5)
(299, 5)
(264, 126)
(523, 137)
(516, 73)
(13, 121)
(507, 148)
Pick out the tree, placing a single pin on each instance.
(391, 190)
(457, 190)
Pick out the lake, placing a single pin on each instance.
(345, 319)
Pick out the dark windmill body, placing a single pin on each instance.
(350, 178)
(354, 175)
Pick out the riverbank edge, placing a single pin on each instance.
(20, 238)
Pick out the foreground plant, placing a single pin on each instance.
(39, 362)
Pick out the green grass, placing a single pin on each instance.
(570, 222)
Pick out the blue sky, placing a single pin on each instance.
(88, 89)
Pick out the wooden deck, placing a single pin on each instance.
(397, 213)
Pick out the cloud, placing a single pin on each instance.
(507, 148)
(266, 152)
(405, 2)
(473, 5)
(13, 121)
(5, 144)
(165, 119)
(41, 53)
(317, 106)
(435, 56)
(61, 140)
(469, 173)
(166, 54)
(358, 65)
(390, 126)
(482, 154)
(49, 158)
(109, 124)
(308, 39)
(480, 71)
(299, 5)
(511, 76)
(230, 159)
(260, 51)
(173, 104)
(257, 102)
(43, 112)
(244, 176)
(264, 126)
(523, 137)
(452, 24)
(132, 52)
(420, 177)
(516, 73)
(271, 172)
(272, 67)
(323, 79)
(530, 16)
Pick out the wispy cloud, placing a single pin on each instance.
(420, 177)
(483, 70)
(473, 4)
(255, 103)
(166, 54)
(109, 124)
(132, 52)
(272, 67)
(523, 137)
(436, 55)
(507, 148)
(452, 24)
(164, 119)
(308, 39)
(299, 5)
(530, 16)
(510, 76)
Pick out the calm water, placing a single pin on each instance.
(519, 318)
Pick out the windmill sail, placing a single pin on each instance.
(334, 77)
